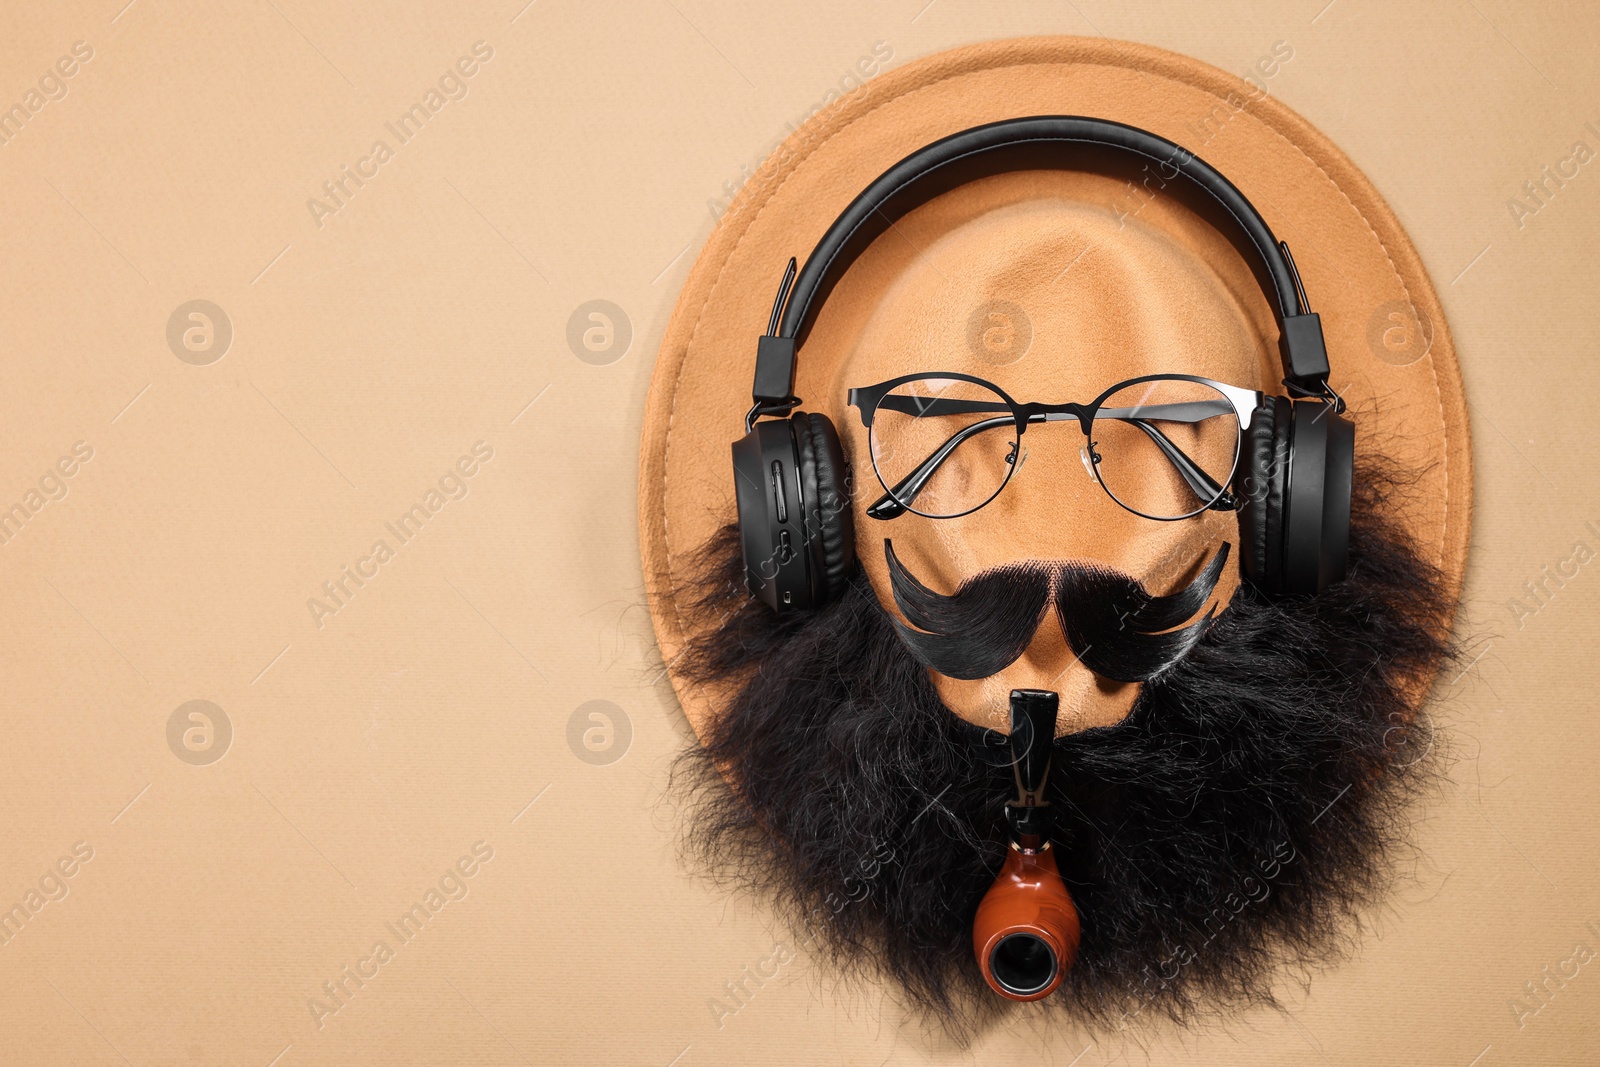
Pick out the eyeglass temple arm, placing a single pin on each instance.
(1189, 411)
(1200, 483)
(928, 407)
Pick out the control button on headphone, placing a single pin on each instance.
(777, 490)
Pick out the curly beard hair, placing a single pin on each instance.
(1234, 823)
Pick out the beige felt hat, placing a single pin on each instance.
(1095, 268)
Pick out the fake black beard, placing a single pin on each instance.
(1234, 823)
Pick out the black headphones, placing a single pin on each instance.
(1294, 476)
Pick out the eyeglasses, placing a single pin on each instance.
(1164, 446)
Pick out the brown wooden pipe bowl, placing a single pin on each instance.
(1026, 931)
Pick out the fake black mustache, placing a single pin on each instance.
(1115, 628)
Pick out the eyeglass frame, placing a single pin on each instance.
(867, 398)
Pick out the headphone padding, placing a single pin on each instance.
(1265, 468)
(1279, 474)
(824, 476)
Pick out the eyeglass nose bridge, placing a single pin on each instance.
(1056, 413)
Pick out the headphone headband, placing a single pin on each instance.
(1039, 142)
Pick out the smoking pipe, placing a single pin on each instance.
(1026, 931)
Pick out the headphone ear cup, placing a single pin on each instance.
(1265, 472)
(769, 486)
(829, 523)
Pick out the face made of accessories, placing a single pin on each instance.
(1053, 302)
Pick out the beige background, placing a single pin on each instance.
(431, 712)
